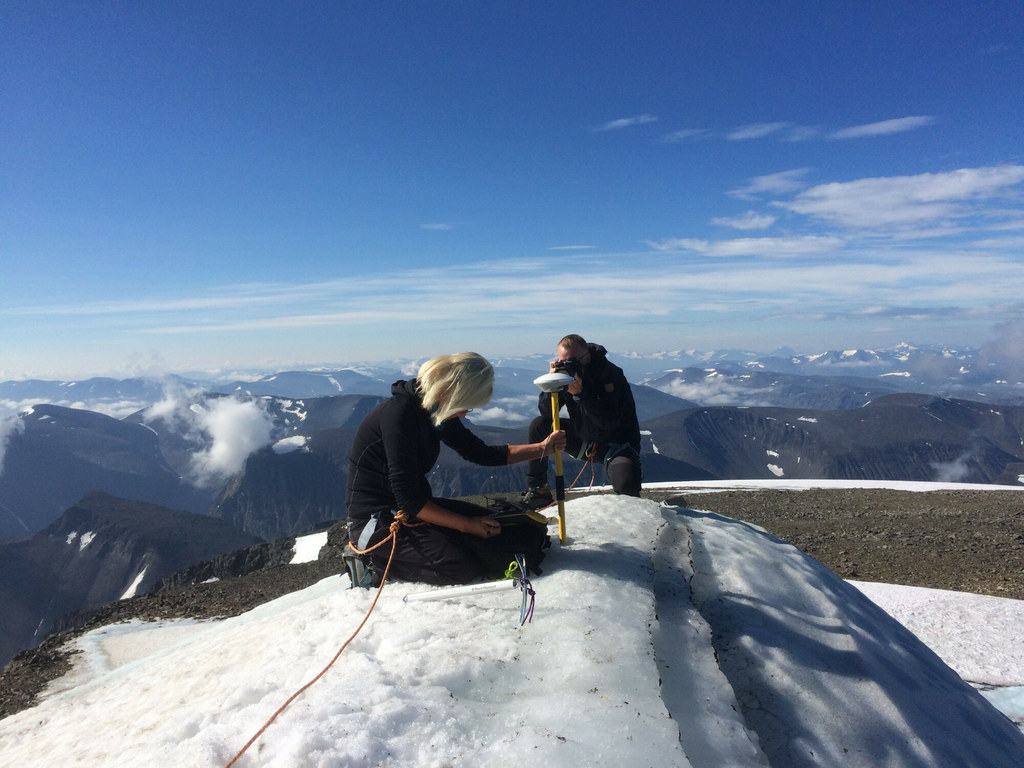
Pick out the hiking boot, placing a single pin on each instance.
(537, 498)
(360, 569)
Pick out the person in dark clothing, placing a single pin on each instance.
(396, 446)
(602, 422)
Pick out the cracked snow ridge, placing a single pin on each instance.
(783, 628)
(687, 661)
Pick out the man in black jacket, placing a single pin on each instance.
(602, 422)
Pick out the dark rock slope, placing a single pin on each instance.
(58, 455)
(101, 549)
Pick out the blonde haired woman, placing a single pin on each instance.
(394, 449)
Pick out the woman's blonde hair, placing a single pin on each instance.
(452, 383)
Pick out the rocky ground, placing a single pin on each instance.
(971, 541)
(968, 541)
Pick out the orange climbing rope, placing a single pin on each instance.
(593, 470)
(400, 519)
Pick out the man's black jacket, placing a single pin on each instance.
(604, 412)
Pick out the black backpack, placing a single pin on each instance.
(524, 531)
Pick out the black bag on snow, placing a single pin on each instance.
(523, 532)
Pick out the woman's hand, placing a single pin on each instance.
(554, 442)
(535, 451)
(482, 527)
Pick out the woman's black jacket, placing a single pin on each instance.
(395, 447)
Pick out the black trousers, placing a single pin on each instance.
(442, 556)
(621, 461)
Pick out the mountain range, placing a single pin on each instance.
(713, 377)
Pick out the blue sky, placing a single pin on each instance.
(196, 186)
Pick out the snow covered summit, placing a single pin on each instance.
(661, 637)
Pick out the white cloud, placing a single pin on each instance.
(506, 412)
(525, 292)
(748, 220)
(1006, 348)
(715, 390)
(756, 131)
(174, 407)
(438, 227)
(954, 471)
(884, 127)
(376, 313)
(624, 122)
(787, 131)
(410, 368)
(1016, 243)
(780, 183)
(746, 281)
(116, 409)
(803, 133)
(10, 425)
(1013, 221)
(766, 247)
(904, 200)
(236, 428)
(223, 430)
(686, 134)
(237, 300)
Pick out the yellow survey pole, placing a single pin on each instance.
(559, 479)
(553, 383)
